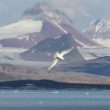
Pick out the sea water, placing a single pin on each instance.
(55, 100)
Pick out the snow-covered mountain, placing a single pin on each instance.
(43, 11)
(38, 23)
(99, 31)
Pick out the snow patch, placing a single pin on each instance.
(92, 53)
(103, 42)
(20, 28)
(9, 50)
(33, 51)
(24, 37)
(57, 37)
(98, 29)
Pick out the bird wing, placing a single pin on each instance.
(53, 64)
(66, 51)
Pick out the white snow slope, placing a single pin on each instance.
(20, 28)
(99, 31)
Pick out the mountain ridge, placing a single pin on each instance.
(99, 31)
(34, 30)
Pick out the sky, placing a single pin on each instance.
(81, 12)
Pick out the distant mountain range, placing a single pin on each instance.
(38, 23)
(99, 31)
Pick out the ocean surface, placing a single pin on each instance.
(54, 100)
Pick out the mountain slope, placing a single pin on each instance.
(99, 66)
(99, 31)
(45, 50)
(44, 11)
(81, 39)
(20, 28)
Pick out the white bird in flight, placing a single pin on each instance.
(59, 56)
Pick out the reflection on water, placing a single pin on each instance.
(55, 100)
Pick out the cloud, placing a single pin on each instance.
(77, 8)
(80, 11)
